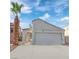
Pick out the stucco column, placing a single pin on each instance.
(23, 36)
(63, 38)
(33, 38)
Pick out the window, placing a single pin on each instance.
(11, 30)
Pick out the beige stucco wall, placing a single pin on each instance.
(66, 35)
(66, 31)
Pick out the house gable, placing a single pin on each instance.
(42, 25)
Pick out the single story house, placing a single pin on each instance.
(44, 33)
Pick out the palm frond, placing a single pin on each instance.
(16, 8)
(20, 8)
(13, 4)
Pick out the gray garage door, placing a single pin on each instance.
(47, 38)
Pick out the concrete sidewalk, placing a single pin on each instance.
(40, 52)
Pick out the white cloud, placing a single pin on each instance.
(40, 8)
(43, 8)
(60, 5)
(63, 22)
(45, 17)
(26, 9)
(24, 25)
(65, 18)
(37, 2)
(57, 6)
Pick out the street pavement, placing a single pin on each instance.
(40, 52)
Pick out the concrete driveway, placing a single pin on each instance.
(40, 52)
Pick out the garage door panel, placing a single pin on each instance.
(47, 38)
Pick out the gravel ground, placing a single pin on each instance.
(40, 52)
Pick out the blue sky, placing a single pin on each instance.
(55, 12)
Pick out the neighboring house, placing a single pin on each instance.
(11, 33)
(66, 35)
(44, 33)
(26, 35)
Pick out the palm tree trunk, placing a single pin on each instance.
(16, 31)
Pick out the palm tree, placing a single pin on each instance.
(16, 9)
